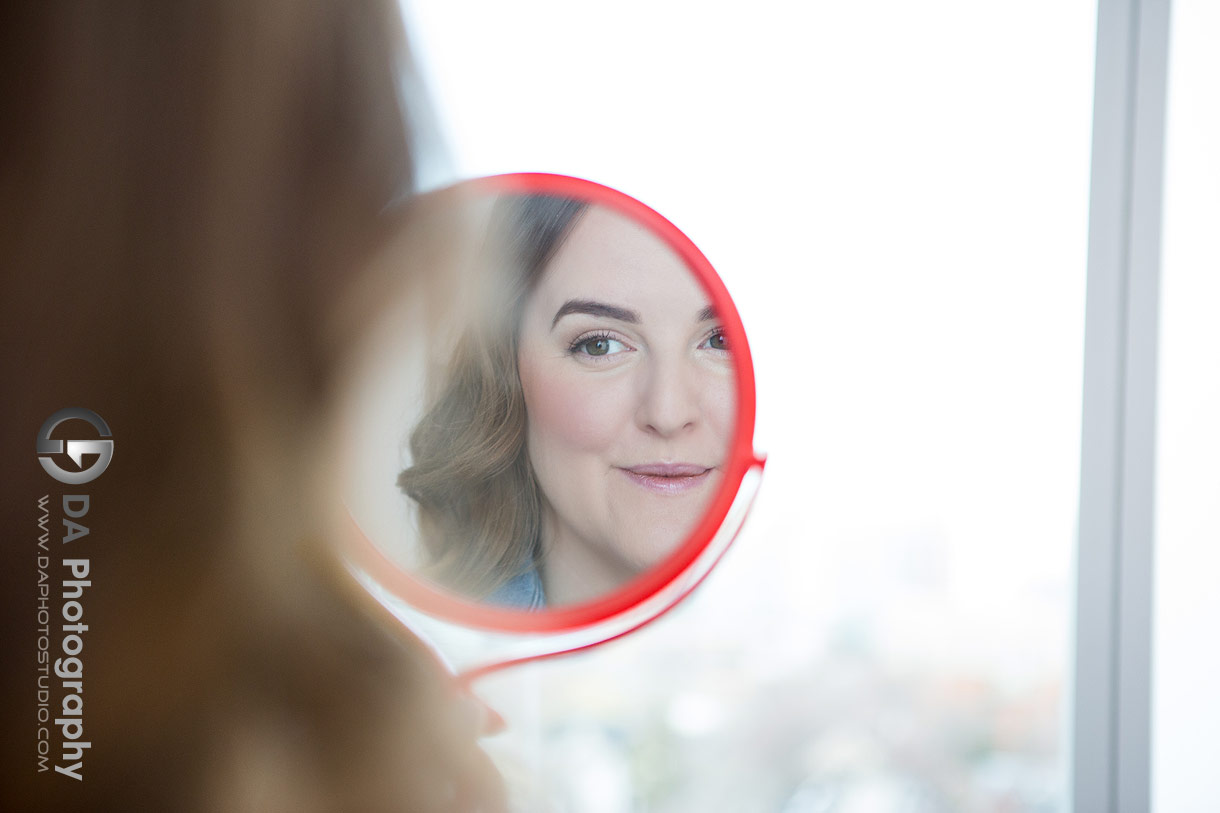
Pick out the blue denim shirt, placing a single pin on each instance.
(522, 592)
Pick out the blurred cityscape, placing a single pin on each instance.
(901, 705)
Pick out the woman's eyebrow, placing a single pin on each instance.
(595, 309)
(706, 314)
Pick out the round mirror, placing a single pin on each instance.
(553, 422)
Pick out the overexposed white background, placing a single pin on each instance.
(1186, 666)
(896, 196)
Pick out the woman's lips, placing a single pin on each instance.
(668, 478)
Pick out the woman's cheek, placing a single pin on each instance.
(721, 407)
(581, 410)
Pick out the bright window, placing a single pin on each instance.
(896, 195)
(1186, 666)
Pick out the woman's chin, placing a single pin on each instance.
(654, 542)
(671, 524)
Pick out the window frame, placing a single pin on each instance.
(1111, 714)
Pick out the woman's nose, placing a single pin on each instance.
(669, 402)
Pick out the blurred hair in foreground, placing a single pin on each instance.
(188, 193)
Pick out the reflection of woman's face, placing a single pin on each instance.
(629, 393)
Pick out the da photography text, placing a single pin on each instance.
(62, 552)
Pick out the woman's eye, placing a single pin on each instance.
(599, 346)
(716, 341)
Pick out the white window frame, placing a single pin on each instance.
(1111, 719)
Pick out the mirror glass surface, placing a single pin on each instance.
(549, 414)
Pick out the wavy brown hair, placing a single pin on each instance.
(480, 508)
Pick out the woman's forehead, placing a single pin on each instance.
(608, 257)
